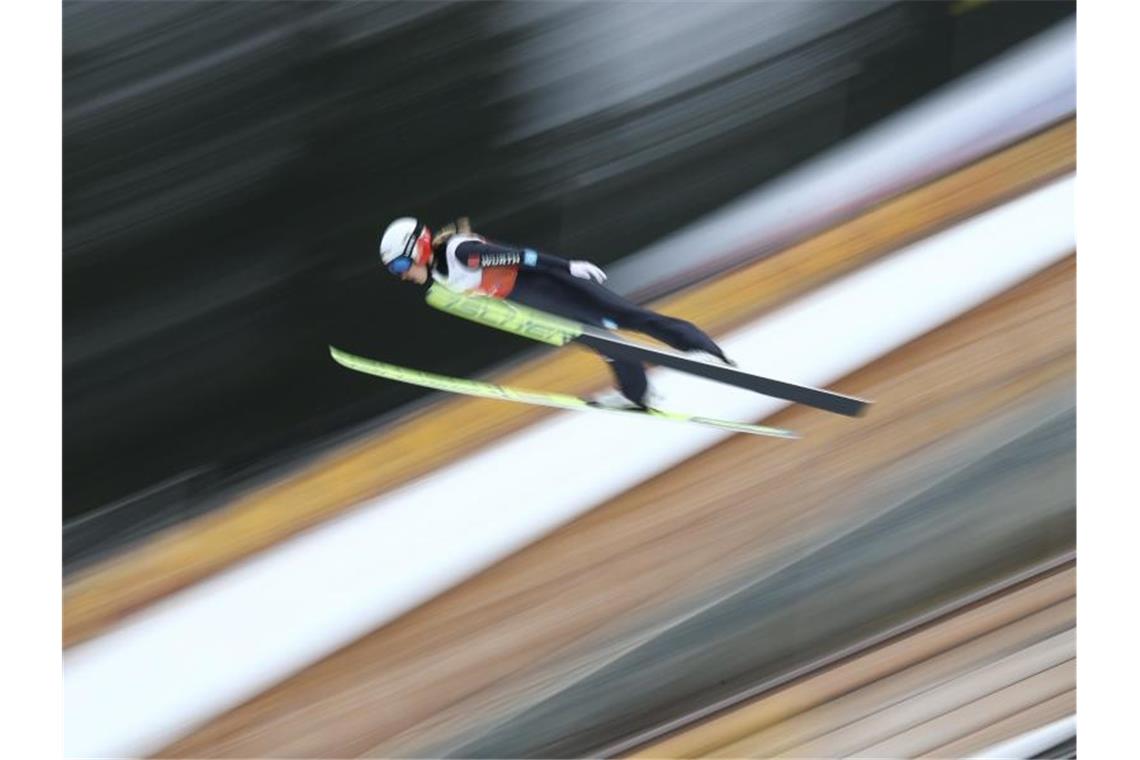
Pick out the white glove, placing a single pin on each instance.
(587, 271)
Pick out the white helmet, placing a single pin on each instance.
(405, 242)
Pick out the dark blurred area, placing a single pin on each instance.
(228, 167)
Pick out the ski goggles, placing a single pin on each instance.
(400, 265)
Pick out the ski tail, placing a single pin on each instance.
(566, 401)
(504, 315)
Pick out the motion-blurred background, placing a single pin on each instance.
(896, 585)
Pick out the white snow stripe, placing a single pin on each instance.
(1032, 742)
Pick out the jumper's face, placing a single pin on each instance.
(418, 273)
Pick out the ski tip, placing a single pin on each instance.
(342, 358)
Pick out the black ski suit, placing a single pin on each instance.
(544, 282)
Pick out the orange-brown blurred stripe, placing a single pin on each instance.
(103, 594)
(489, 643)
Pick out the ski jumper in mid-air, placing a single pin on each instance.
(464, 261)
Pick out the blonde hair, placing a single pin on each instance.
(460, 225)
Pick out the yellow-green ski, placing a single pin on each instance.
(539, 398)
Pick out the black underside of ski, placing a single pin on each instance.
(618, 348)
